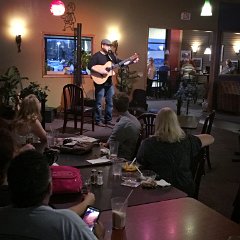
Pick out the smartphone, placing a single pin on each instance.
(91, 216)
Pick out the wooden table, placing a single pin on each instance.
(188, 122)
(112, 187)
(179, 219)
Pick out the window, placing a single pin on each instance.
(157, 45)
(59, 54)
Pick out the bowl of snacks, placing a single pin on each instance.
(129, 167)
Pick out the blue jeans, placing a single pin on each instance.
(107, 92)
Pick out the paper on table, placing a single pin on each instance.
(99, 160)
(163, 183)
(83, 138)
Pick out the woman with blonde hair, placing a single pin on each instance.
(27, 123)
(169, 151)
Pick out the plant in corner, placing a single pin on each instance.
(36, 89)
(125, 79)
(10, 82)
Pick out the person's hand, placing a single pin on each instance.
(99, 230)
(136, 60)
(89, 198)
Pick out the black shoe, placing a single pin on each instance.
(100, 124)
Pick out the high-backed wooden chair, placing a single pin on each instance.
(207, 128)
(197, 168)
(148, 123)
(74, 105)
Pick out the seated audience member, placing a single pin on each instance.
(29, 215)
(7, 152)
(169, 151)
(6, 155)
(229, 68)
(27, 123)
(127, 129)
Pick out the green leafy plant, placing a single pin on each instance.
(125, 79)
(10, 81)
(36, 89)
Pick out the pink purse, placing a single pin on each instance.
(66, 179)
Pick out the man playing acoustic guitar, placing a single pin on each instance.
(101, 65)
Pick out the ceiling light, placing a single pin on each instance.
(206, 9)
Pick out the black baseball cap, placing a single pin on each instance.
(106, 42)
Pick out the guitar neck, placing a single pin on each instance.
(120, 63)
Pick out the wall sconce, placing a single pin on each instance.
(19, 42)
(195, 48)
(236, 49)
(206, 9)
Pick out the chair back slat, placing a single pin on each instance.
(73, 96)
(207, 126)
(148, 123)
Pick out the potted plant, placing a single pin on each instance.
(9, 83)
(125, 79)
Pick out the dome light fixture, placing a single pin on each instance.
(57, 8)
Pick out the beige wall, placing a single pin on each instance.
(133, 17)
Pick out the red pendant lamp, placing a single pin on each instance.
(57, 8)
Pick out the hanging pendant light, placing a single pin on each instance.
(208, 51)
(57, 8)
(206, 9)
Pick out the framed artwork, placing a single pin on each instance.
(197, 63)
(186, 54)
(235, 63)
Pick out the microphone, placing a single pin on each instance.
(110, 52)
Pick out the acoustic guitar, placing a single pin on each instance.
(108, 66)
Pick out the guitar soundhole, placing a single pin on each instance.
(108, 69)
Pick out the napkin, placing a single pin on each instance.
(163, 183)
(99, 160)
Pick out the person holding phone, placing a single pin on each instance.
(29, 215)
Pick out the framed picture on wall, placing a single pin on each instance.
(185, 54)
(235, 63)
(197, 63)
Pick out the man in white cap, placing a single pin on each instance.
(106, 88)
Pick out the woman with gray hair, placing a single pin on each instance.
(169, 151)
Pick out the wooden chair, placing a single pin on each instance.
(148, 123)
(74, 105)
(207, 127)
(139, 141)
(197, 168)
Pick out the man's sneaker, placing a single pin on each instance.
(100, 124)
(110, 123)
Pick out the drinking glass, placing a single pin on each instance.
(119, 208)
